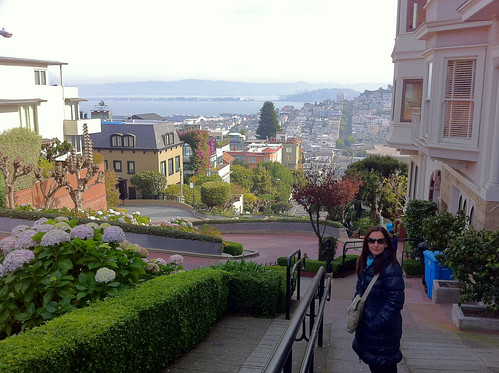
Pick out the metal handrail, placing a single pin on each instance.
(345, 249)
(290, 276)
(282, 355)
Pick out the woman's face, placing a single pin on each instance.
(376, 243)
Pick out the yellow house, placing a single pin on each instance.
(134, 146)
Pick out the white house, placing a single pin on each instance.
(446, 104)
(33, 95)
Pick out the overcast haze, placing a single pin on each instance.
(317, 41)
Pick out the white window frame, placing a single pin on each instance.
(28, 117)
(442, 59)
(40, 77)
(117, 163)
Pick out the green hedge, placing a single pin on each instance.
(232, 248)
(314, 265)
(412, 267)
(140, 330)
(243, 219)
(256, 293)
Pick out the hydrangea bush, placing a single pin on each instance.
(56, 266)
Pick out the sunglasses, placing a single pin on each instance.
(381, 241)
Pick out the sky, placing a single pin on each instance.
(107, 41)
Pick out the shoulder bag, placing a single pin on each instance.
(356, 309)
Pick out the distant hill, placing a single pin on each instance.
(193, 87)
(321, 95)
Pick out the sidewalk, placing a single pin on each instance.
(430, 343)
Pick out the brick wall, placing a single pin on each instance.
(94, 198)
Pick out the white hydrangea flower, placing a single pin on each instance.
(105, 275)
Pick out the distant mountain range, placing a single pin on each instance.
(193, 87)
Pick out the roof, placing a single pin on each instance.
(227, 158)
(23, 101)
(147, 116)
(28, 62)
(148, 135)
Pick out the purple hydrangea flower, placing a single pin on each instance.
(19, 229)
(24, 240)
(176, 259)
(113, 234)
(7, 244)
(16, 258)
(54, 237)
(82, 231)
(3, 271)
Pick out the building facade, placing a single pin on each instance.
(28, 99)
(446, 104)
(130, 147)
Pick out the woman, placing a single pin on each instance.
(377, 338)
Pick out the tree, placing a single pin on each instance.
(150, 183)
(20, 151)
(269, 123)
(373, 170)
(112, 192)
(319, 191)
(241, 176)
(49, 170)
(202, 148)
(393, 191)
(215, 193)
(262, 181)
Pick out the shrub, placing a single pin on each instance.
(57, 266)
(112, 192)
(438, 230)
(473, 257)
(215, 193)
(232, 248)
(412, 267)
(415, 213)
(3, 201)
(363, 224)
(253, 289)
(314, 265)
(140, 330)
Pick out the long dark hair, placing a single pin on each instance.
(388, 256)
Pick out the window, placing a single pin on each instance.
(129, 141)
(459, 98)
(40, 77)
(170, 166)
(416, 14)
(289, 158)
(411, 98)
(105, 166)
(429, 80)
(28, 117)
(116, 140)
(168, 138)
(177, 163)
(162, 167)
(252, 160)
(289, 150)
(131, 167)
(117, 166)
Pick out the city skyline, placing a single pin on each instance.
(248, 41)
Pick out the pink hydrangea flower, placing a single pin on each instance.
(176, 259)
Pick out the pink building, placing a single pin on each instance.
(446, 104)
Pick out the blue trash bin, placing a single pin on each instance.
(434, 270)
(389, 226)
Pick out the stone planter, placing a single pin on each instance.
(445, 291)
(467, 323)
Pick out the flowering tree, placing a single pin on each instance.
(57, 266)
(202, 147)
(319, 191)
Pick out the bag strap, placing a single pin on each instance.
(369, 287)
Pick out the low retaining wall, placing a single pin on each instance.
(274, 228)
(145, 240)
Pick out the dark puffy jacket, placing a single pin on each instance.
(377, 339)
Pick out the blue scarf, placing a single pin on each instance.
(370, 259)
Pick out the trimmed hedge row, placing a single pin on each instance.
(142, 329)
(314, 265)
(412, 267)
(243, 219)
(232, 248)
